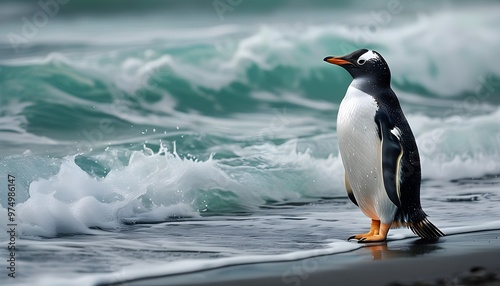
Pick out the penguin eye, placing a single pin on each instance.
(361, 62)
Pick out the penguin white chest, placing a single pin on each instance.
(360, 148)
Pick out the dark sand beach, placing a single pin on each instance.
(461, 259)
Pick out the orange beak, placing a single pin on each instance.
(337, 61)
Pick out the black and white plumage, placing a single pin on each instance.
(378, 150)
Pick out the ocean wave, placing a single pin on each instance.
(458, 146)
(153, 187)
(13, 126)
(107, 189)
(239, 59)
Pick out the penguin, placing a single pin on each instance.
(378, 150)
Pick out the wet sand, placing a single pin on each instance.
(461, 259)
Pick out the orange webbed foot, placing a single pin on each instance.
(378, 233)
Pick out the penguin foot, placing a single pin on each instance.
(378, 233)
(360, 236)
(374, 230)
(373, 238)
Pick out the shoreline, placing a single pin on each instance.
(453, 260)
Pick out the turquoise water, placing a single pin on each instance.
(200, 124)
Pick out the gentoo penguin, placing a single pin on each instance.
(378, 150)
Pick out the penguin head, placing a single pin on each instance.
(364, 64)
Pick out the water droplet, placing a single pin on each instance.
(154, 130)
(177, 127)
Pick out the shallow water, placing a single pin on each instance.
(173, 135)
(272, 233)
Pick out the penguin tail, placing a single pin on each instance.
(425, 229)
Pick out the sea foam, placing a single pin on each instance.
(153, 187)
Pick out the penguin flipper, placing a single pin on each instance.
(391, 152)
(348, 188)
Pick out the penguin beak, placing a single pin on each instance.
(337, 61)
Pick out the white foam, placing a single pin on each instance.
(72, 201)
(153, 187)
(316, 177)
(492, 225)
(189, 265)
